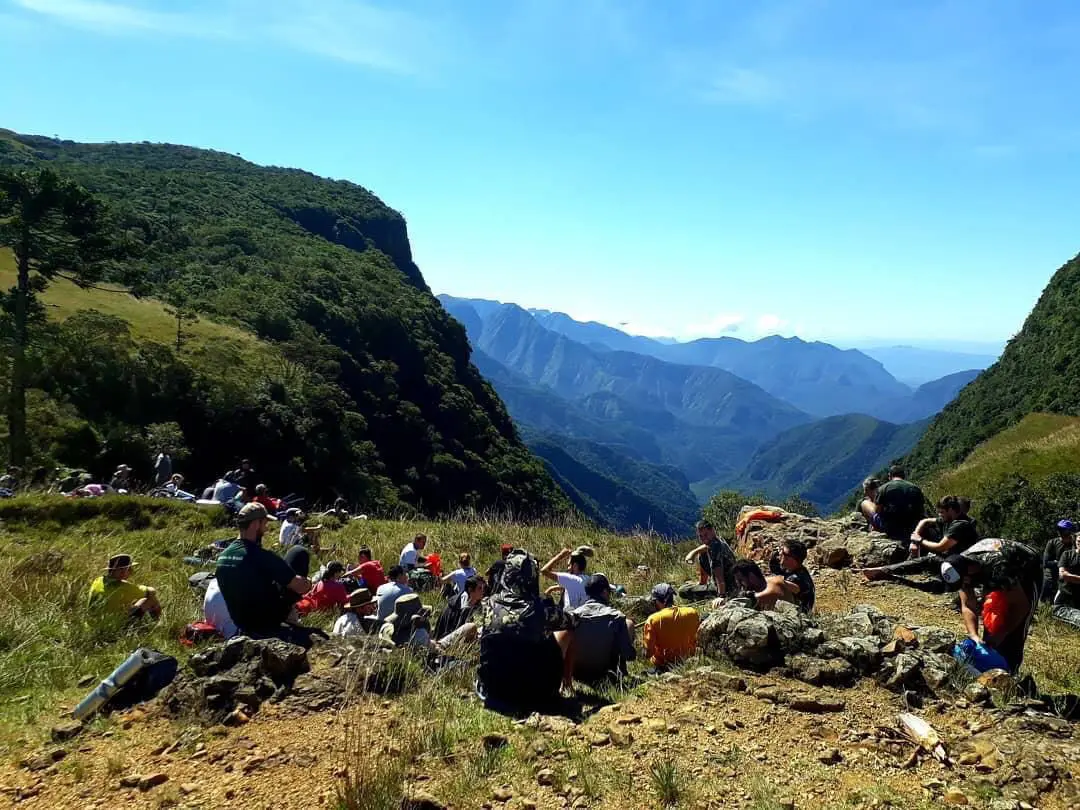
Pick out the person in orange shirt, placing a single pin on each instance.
(670, 633)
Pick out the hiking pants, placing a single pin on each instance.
(929, 565)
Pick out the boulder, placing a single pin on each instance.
(757, 639)
(859, 550)
(935, 640)
(861, 652)
(862, 621)
(637, 608)
(903, 672)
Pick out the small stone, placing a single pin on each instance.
(954, 796)
(731, 725)
(600, 740)
(977, 693)
(85, 681)
(812, 705)
(659, 726)
(620, 737)
(545, 776)
(66, 730)
(767, 693)
(187, 788)
(230, 794)
(729, 682)
(970, 758)
(130, 781)
(628, 720)
(832, 756)
(528, 804)
(710, 730)
(237, 718)
(152, 781)
(493, 742)
(502, 794)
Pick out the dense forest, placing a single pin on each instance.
(357, 382)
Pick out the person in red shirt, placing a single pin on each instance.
(262, 495)
(369, 571)
(329, 593)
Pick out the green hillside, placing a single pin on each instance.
(1037, 373)
(321, 354)
(824, 461)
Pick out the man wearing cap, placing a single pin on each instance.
(1014, 570)
(670, 634)
(602, 641)
(259, 587)
(715, 558)
(493, 577)
(113, 594)
(1055, 547)
(572, 580)
(358, 618)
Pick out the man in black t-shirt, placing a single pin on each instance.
(901, 505)
(1055, 547)
(258, 586)
(793, 584)
(952, 532)
(1067, 602)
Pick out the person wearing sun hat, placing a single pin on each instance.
(408, 624)
(113, 593)
(358, 618)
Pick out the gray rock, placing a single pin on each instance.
(859, 550)
(637, 608)
(863, 653)
(978, 694)
(66, 730)
(822, 671)
(935, 640)
(757, 639)
(904, 671)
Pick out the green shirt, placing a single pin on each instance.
(901, 506)
(253, 582)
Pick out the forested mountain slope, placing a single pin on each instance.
(372, 393)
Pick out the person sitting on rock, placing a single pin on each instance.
(794, 584)
(456, 578)
(1012, 569)
(411, 556)
(868, 505)
(493, 577)
(715, 558)
(670, 634)
(952, 532)
(259, 587)
(572, 580)
(901, 505)
(456, 623)
(601, 642)
(328, 594)
(521, 663)
(358, 616)
(368, 572)
(1055, 547)
(392, 590)
(114, 595)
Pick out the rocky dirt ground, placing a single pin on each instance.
(709, 735)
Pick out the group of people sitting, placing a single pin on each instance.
(1000, 582)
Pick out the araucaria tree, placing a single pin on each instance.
(56, 229)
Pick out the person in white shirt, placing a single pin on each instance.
(410, 554)
(572, 581)
(359, 616)
(216, 612)
(458, 576)
(291, 528)
(389, 593)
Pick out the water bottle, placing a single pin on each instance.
(108, 687)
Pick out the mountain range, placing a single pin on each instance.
(777, 416)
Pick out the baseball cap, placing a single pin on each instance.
(250, 513)
(663, 593)
(953, 570)
(1066, 526)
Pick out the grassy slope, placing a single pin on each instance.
(1040, 445)
(44, 628)
(147, 317)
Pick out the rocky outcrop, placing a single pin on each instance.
(832, 650)
(836, 542)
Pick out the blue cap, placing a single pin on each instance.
(1066, 526)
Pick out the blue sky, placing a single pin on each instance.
(838, 169)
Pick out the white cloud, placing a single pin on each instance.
(355, 31)
(769, 324)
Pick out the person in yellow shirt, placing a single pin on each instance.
(112, 593)
(670, 634)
